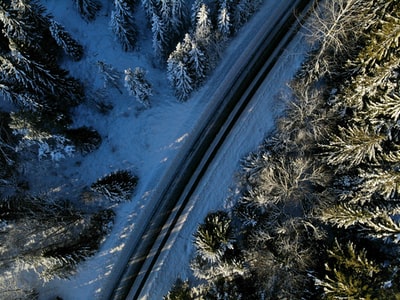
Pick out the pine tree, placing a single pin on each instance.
(351, 275)
(122, 24)
(110, 75)
(197, 64)
(63, 235)
(203, 31)
(160, 36)
(65, 40)
(138, 86)
(150, 7)
(224, 20)
(179, 16)
(178, 75)
(180, 291)
(117, 186)
(27, 28)
(88, 9)
(214, 237)
(372, 223)
(353, 146)
(242, 12)
(29, 70)
(195, 10)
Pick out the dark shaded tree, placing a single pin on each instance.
(63, 235)
(88, 9)
(117, 186)
(122, 24)
(138, 86)
(84, 139)
(70, 46)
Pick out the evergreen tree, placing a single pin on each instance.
(44, 133)
(71, 47)
(180, 291)
(117, 186)
(224, 20)
(160, 36)
(195, 10)
(203, 31)
(350, 274)
(122, 24)
(138, 86)
(168, 23)
(178, 75)
(188, 52)
(179, 16)
(110, 75)
(63, 235)
(197, 64)
(150, 7)
(354, 145)
(29, 73)
(214, 237)
(27, 28)
(88, 9)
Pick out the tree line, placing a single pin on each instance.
(318, 214)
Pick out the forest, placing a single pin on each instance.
(318, 212)
(49, 234)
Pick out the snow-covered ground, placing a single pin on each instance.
(145, 141)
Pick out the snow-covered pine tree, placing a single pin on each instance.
(61, 261)
(49, 84)
(242, 11)
(160, 36)
(168, 21)
(166, 10)
(179, 16)
(150, 7)
(197, 64)
(71, 47)
(203, 29)
(43, 133)
(179, 291)
(63, 235)
(110, 75)
(214, 237)
(138, 86)
(194, 11)
(178, 75)
(354, 145)
(351, 274)
(122, 24)
(117, 186)
(88, 9)
(224, 20)
(26, 26)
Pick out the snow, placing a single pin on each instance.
(145, 141)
